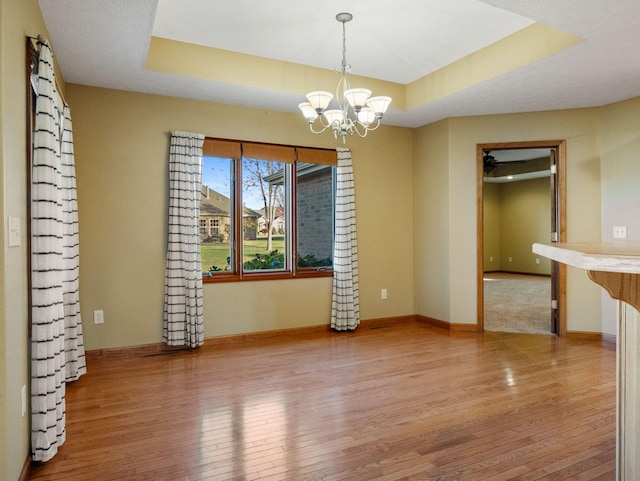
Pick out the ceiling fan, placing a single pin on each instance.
(490, 162)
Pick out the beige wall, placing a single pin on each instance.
(4, 387)
(456, 265)
(432, 220)
(619, 144)
(491, 228)
(17, 20)
(525, 218)
(121, 145)
(516, 214)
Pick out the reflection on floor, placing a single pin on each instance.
(517, 303)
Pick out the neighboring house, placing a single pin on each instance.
(215, 221)
(315, 207)
(278, 222)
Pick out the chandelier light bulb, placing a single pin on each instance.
(357, 98)
(334, 116)
(379, 104)
(308, 111)
(366, 116)
(319, 100)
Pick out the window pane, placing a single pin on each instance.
(264, 213)
(216, 212)
(315, 215)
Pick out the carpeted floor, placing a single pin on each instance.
(517, 303)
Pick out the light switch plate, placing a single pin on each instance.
(23, 395)
(98, 317)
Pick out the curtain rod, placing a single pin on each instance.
(329, 149)
(41, 39)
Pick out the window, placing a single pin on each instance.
(314, 208)
(264, 189)
(269, 209)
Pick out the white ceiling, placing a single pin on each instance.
(385, 40)
(105, 42)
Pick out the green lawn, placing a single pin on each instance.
(215, 254)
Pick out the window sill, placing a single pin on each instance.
(267, 276)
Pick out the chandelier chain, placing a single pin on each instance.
(344, 47)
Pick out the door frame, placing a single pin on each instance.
(558, 270)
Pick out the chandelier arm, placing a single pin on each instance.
(323, 127)
(377, 124)
(341, 88)
(356, 130)
(323, 122)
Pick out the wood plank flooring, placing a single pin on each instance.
(405, 401)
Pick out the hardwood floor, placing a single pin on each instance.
(401, 402)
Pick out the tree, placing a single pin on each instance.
(254, 173)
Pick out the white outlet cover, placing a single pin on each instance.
(619, 231)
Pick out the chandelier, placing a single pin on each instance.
(357, 111)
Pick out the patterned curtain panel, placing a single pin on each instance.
(183, 308)
(57, 350)
(345, 305)
(75, 364)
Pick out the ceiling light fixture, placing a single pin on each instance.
(357, 111)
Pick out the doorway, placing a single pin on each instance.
(537, 168)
